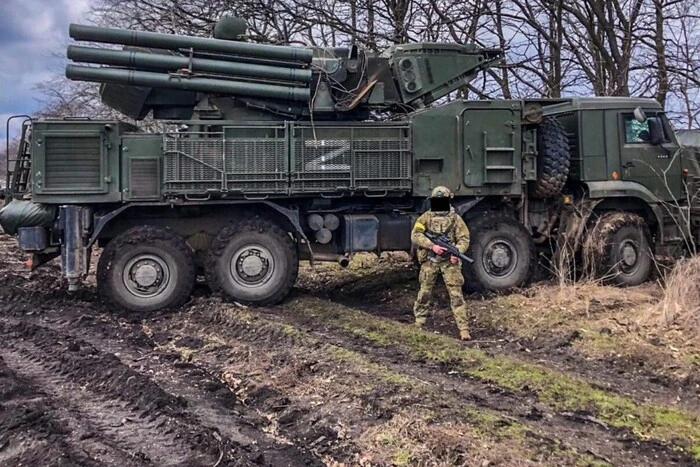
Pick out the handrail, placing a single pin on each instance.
(8, 174)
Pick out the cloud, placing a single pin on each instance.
(33, 36)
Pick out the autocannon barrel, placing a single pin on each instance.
(173, 62)
(170, 41)
(164, 80)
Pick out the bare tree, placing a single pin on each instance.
(553, 48)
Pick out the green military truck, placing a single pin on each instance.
(268, 155)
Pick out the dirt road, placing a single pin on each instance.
(333, 376)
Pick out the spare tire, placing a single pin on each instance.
(554, 159)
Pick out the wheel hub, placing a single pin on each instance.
(500, 258)
(628, 255)
(252, 265)
(146, 275)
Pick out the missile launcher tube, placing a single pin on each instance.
(174, 62)
(168, 41)
(163, 80)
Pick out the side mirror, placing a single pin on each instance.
(656, 131)
(639, 115)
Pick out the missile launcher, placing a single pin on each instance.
(184, 77)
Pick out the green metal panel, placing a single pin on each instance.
(492, 149)
(141, 167)
(593, 148)
(612, 143)
(472, 147)
(76, 161)
(437, 148)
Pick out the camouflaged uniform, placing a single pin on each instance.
(451, 224)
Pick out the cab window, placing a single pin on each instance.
(635, 132)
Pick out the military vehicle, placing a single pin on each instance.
(271, 154)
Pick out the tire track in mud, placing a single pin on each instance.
(81, 318)
(200, 390)
(38, 432)
(582, 434)
(579, 430)
(121, 406)
(115, 334)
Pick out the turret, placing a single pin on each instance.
(181, 77)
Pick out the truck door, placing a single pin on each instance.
(657, 167)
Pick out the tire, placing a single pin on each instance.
(272, 269)
(554, 161)
(514, 263)
(617, 249)
(153, 251)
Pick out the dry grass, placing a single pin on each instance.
(679, 308)
(417, 438)
(558, 307)
(585, 297)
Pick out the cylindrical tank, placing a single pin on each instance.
(324, 236)
(156, 40)
(163, 80)
(175, 62)
(331, 221)
(315, 222)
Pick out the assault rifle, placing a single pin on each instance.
(443, 241)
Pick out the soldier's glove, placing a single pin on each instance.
(454, 259)
(438, 250)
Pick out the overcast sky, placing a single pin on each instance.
(32, 33)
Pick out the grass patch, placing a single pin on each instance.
(447, 435)
(560, 391)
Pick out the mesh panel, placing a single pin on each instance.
(322, 165)
(382, 164)
(144, 178)
(193, 165)
(256, 160)
(363, 158)
(73, 162)
(256, 165)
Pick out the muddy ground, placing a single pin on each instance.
(336, 375)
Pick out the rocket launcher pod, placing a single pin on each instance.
(163, 80)
(169, 41)
(169, 62)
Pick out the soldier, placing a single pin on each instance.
(441, 218)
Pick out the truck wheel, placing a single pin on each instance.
(554, 161)
(146, 269)
(503, 254)
(254, 262)
(618, 250)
